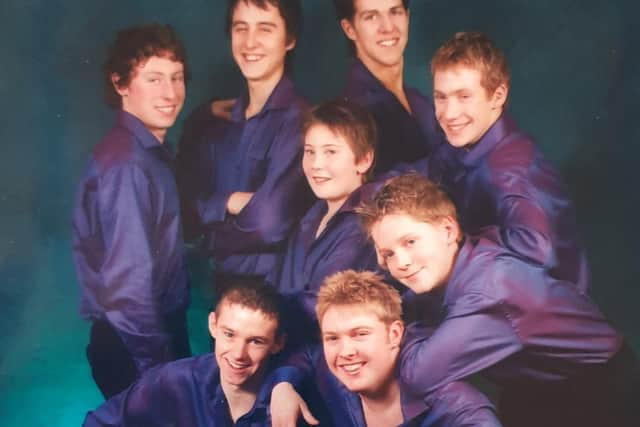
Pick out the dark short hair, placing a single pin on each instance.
(251, 292)
(133, 46)
(345, 9)
(290, 10)
(349, 120)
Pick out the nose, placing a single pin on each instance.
(402, 259)
(347, 349)
(386, 24)
(251, 40)
(317, 161)
(239, 351)
(449, 110)
(169, 90)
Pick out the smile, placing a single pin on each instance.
(320, 179)
(167, 110)
(252, 57)
(412, 275)
(352, 368)
(389, 43)
(237, 366)
(456, 127)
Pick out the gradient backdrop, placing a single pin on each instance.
(575, 88)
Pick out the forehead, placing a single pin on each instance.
(457, 76)
(161, 64)
(343, 318)
(364, 5)
(321, 134)
(245, 320)
(247, 11)
(392, 228)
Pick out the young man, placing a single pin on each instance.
(543, 340)
(127, 240)
(495, 174)
(339, 147)
(361, 324)
(226, 388)
(240, 180)
(378, 31)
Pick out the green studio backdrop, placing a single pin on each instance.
(575, 88)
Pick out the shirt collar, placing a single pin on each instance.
(355, 199)
(497, 132)
(138, 129)
(281, 97)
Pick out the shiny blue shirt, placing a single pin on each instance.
(127, 240)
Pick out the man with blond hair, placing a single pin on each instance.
(361, 324)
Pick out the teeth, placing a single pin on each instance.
(252, 57)
(320, 180)
(166, 109)
(352, 367)
(236, 365)
(388, 43)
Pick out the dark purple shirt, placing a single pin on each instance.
(402, 138)
(261, 154)
(308, 260)
(508, 319)
(127, 240)
(186, 393)
(504, 180)
(455, 404)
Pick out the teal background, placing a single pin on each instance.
(575, 88)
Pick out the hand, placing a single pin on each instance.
(237, 201)
(222, 108)
(287, 405)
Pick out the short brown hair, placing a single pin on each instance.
(351, 287)
(474, 50)
(349, 120)
(252, 292)
(411, 194)
(132, 47)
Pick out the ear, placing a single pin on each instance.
(451, 229)
(279, 343)
(500, 96)
(396, 331)
(365, 163)
(348, 29)
(291, 44)
(213, 324)
(121, 90)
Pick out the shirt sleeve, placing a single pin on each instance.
(130, 295)
(275, 206)
(459, 404)
(193, 168)
(463, 344)
(525, 227)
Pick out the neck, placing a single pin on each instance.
(241, 398)
(259, 92)
(383, 407)
(389, 75)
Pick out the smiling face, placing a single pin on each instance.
(330, 165)
(418, 254)
(379, 30)
(154, 94)
(359, 348)
(259, 42)
(245, 338)
(464, 108)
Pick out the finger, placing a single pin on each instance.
(307, 415)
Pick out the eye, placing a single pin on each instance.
(398, 11)
(308, 152)
(257, 341)
(330, 152)
(330, 338)
(369, 16)
(228, 334)
(410, 242)
(438, 97)
(386, 255)
(178, 78)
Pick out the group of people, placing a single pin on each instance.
(372, 252)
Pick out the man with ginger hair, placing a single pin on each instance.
(361, 326)
(545, 342)
(495, 174)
